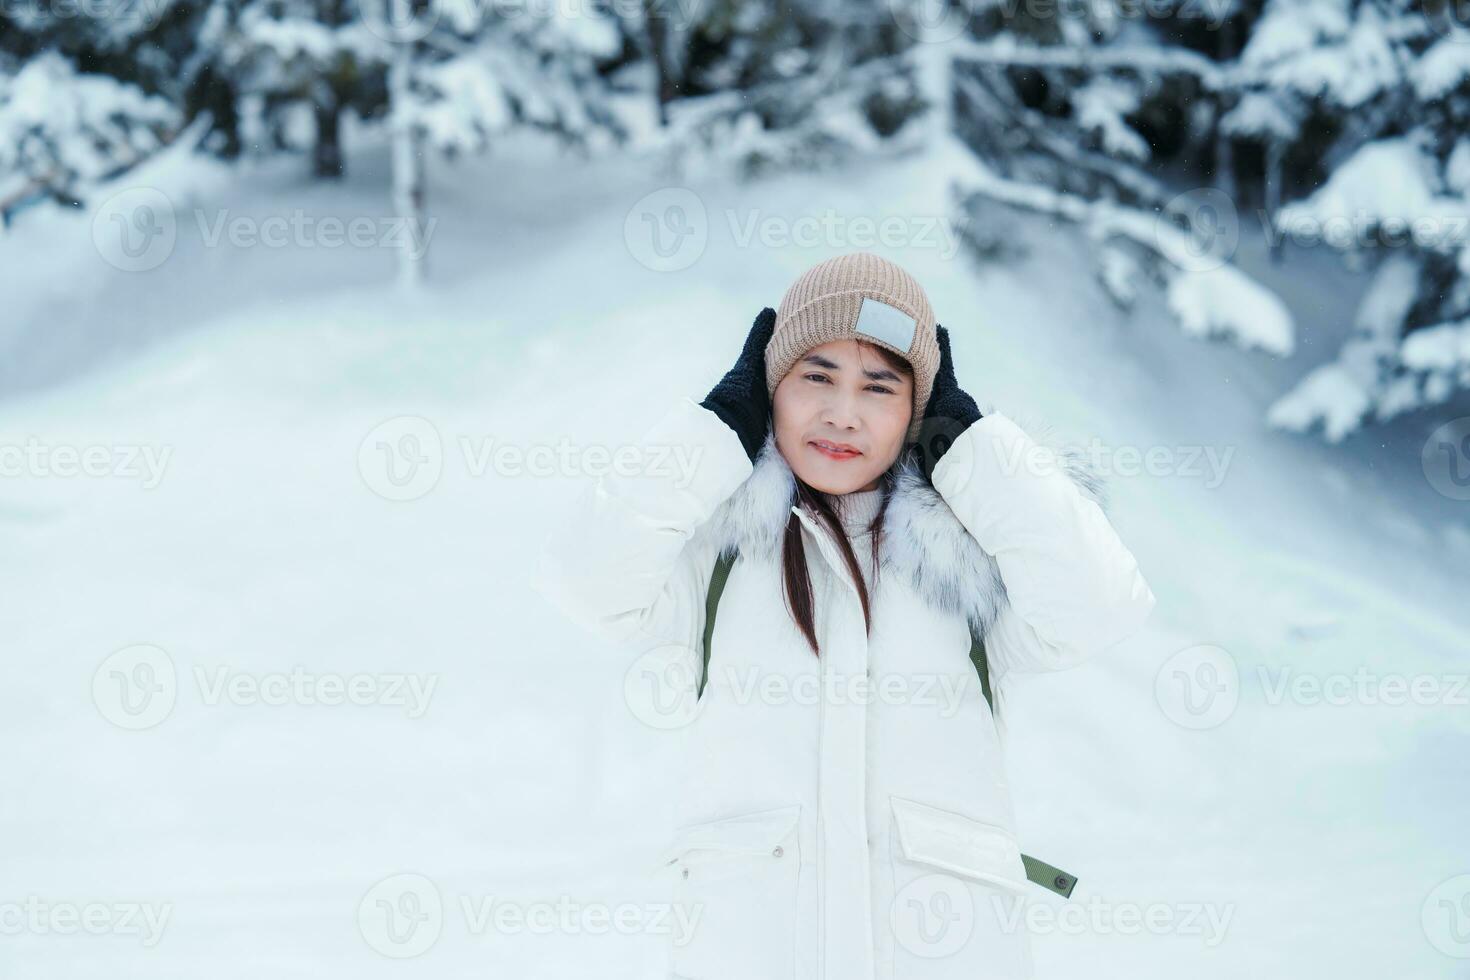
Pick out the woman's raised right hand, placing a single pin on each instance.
(740, 399)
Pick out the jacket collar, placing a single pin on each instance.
(923, 541)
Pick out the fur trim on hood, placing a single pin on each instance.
(923, 541)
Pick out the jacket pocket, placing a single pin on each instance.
(958, 906)
(735, 896)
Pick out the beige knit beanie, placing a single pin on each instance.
(858, 295)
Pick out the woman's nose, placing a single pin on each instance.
(841, 410)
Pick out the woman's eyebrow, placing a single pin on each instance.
(881, 375)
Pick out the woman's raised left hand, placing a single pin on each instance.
(949, 413)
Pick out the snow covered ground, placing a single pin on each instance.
(248, 541)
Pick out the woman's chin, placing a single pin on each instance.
(833, 478)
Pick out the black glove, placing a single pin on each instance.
(949, 413)
(740, 399)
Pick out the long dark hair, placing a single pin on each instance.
(795, 579)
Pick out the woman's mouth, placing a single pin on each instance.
(834, 450)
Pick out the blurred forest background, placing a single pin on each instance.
(1333, 124)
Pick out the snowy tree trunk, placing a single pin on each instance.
(210, 93)
(935, 63)
(327, 106)
(1272, 190)
(408, 170)
(327, 154)
(1224, 158)
(658, 41)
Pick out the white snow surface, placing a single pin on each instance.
(1316, 831)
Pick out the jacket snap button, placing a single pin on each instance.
(686, 872)
(1061, 881)
(778, 851)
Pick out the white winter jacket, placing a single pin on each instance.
(845, 817)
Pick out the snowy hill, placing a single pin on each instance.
(248, 528)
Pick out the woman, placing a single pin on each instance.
(844, 812)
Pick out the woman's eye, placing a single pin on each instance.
(814, 376)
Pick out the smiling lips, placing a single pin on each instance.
(834, 450)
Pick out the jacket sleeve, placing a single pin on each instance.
(1073, 587)
(625, 562)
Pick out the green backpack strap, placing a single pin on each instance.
(1048, 877)
(982, 666)
(711, 603)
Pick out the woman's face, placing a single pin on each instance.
(841, 396)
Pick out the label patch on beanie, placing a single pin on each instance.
(886, 323)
